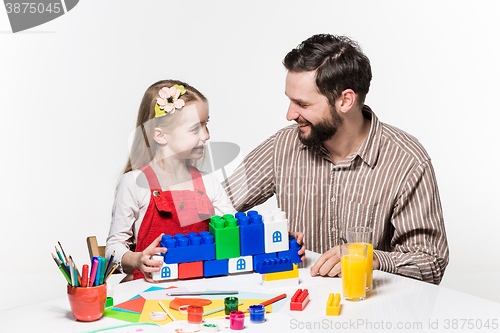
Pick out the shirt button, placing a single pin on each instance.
(156, 193)
(333, 199)
(200, 192)
(181, 206)
(333, 229)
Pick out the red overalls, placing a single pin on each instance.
(167, 208)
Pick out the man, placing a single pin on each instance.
(340, 167)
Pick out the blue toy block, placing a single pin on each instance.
(292, 253)
(263, 256)
(188, 249)
(251, 234)
(252, 212)
(274, 265)
(215, 267)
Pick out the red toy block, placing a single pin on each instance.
(189, 270)
(299, 300)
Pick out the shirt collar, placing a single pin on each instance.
(369, 149)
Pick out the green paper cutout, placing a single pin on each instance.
(125, 316)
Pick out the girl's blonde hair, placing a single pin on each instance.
(144, 148)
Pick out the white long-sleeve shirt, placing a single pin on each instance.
(132, 200)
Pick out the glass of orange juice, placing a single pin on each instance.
(364, 235)
(353, 267)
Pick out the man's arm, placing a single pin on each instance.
(419, 248)
(252, 183)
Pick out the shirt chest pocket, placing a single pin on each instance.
(356, 214)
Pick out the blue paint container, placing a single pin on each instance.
(257, 313)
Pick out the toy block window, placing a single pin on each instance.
(165, 272)
(276, 237)
(241, 264)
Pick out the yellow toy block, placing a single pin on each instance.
(333, 305)
(294, 273)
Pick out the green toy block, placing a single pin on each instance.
(226, 233)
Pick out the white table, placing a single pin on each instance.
(396, 304)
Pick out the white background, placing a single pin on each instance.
(70, 90)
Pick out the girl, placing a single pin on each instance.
(161, 191)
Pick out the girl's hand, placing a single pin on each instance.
(146, 265)
(299, 236)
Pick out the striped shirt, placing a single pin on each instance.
(388, 184)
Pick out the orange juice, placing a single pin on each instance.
(354, 276)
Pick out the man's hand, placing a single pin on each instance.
(299, 236)
(328, 264)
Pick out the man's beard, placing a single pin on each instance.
(322, 131)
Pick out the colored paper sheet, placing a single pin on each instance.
(153, 306)
(135, 304)
(118, 309)
(125, 316)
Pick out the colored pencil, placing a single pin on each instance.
(166, 310)
(65, 274)
(77, 271)
(77, 283)
(110, 261)
(63, 251)
(217, 310)
(72, 273)
(272, 300)
(55, 259)
(112, 270)
(85, 275)
(59, 255)
(93, 271)
(215, 292)
(66, 269)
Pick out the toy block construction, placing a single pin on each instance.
(188, 270)
(275, 232)
(193, 247)
(274, 265)
(292, 252)
(227, 236)
(244, 242)
(280, 283)
(299, 300)
(241, 264)
(167, 272)
(333, 305)
(294, 273)
(215, 267)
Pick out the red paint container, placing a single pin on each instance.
(195, 314)
(87, 304)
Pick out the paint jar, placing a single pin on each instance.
(87, 304)
(230, 304)
(195, 314)
(257, 313)
(237, 320)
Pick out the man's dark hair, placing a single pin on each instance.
(339, 63)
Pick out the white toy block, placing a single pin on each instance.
(167, 272)
(275, 231)
(280, 283)
(241, 264)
